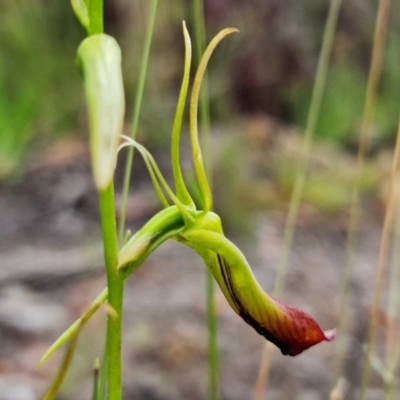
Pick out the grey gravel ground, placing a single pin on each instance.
(51, 268)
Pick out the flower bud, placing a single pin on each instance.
(100, 59)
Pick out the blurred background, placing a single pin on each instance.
(260, 84)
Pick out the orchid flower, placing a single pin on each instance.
(290, 329)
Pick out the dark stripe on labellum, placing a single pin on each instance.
(226, 275)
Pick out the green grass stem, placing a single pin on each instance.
(204, 111)
(102, 386)
(312, 119)
(295, 201)
(96, 24)
(263, 372)
(213, 353)
(383, 255)
(393, 312)
(136, 113)
(373, 80)
(204, 107)
(96, 373)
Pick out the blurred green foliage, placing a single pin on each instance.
(41, 95)
(387, 111)
(343, 101)
(39, 86)
(341, 107)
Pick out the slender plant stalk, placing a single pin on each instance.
(63, 369)
(204, 109)
(312, 119)
(115, 280)
(263, 372)
(136, 113)
(96, 24)
(213, 354)
(383, 252)
(200, 44)
(315, 107)
(115, 283)
(96, 372)
(373, 80)
(102, 385)
(339, 391)
(393, 311)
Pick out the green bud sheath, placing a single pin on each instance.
(100, 59)
(289, 328)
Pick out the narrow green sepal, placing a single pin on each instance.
(182, 192)
(193, 111)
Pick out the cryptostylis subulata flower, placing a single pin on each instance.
(290, 329)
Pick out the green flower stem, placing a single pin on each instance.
(96, 372)
(115, 283)
(369, 107)
(114, 339)
(393, 313)
(372, 86)
(213, 356)
(95, 17)
(200, 45)
(101, 394)
(381, 270)
(136, 114)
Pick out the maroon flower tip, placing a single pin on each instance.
(306, 332)
(293, 330)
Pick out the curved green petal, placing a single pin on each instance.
(194, 136)
(181, 191)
